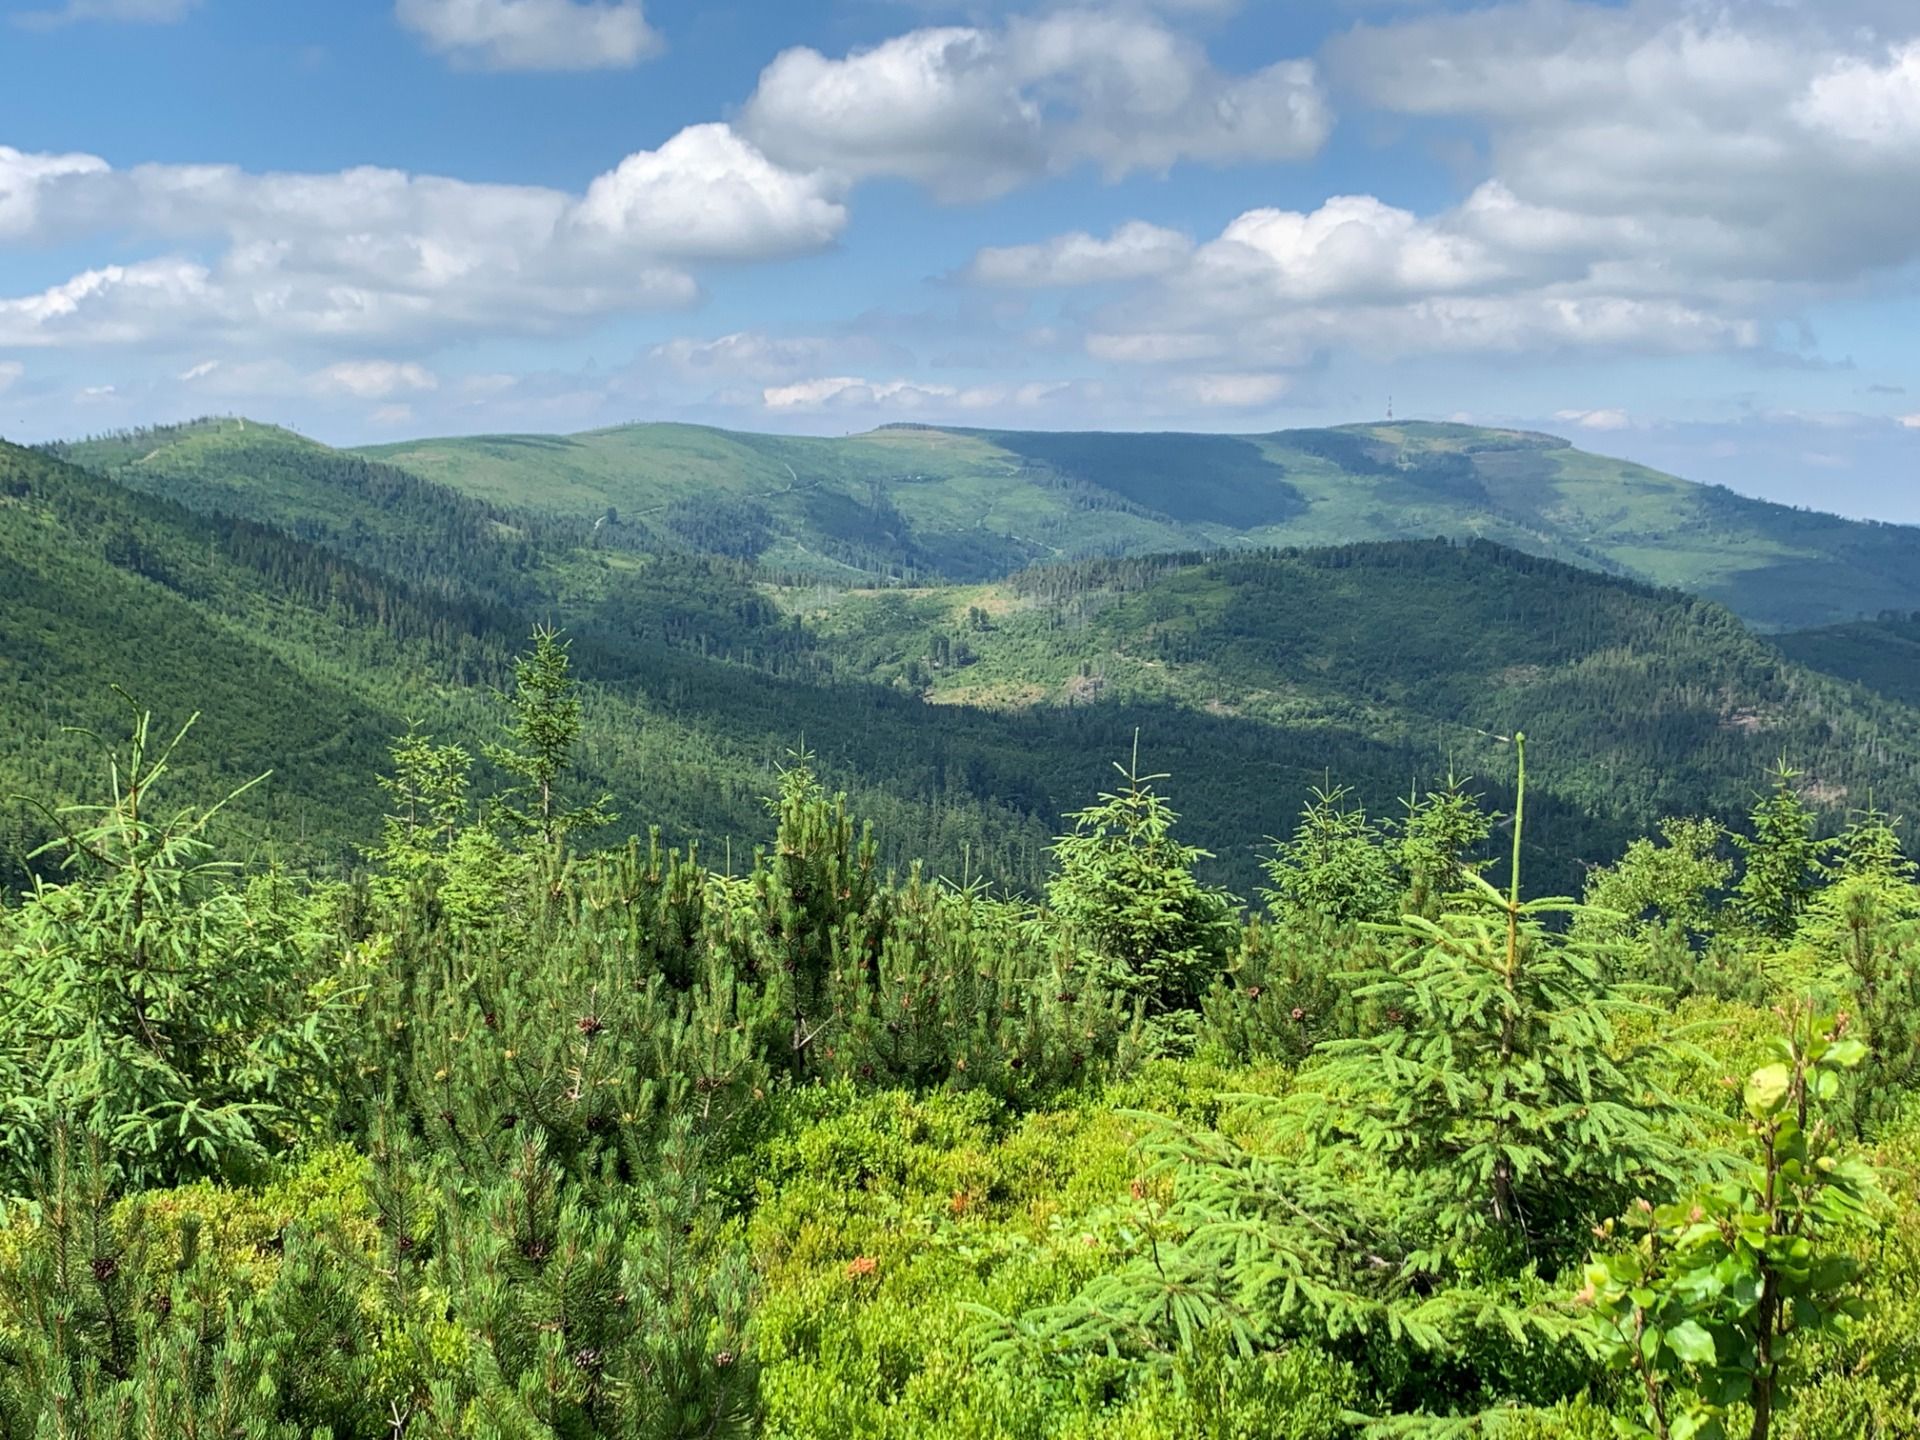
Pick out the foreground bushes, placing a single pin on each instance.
(512, 1140)
(889, 1242)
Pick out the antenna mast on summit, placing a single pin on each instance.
(1389, 409)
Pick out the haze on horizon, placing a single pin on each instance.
(1676, 232)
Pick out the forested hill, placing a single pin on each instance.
(1882, 654)
(911, 501)
(307, 663)
(384, 517)
(1654, 701)
(302, 662)
(964, 720)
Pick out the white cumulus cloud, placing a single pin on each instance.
(29, 183)
(1870, 103)
(533, 34)
(845, 392)
(709, 194)
(1277, 289)
(1135, 251)
(372, 253)
(1737, 145)
(973, 112)
(1595, 419)
(375, 379)
(1352, 247)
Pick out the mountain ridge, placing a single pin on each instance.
(969, 503)
(910, 501)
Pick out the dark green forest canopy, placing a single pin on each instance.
(1882, 654)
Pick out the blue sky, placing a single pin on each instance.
(1678, 231)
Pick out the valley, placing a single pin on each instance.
(966, 686)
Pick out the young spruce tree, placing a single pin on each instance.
(153, 999)
(543, 730)
(1439, 843)
(1500, 1088)
(1126, 887)
(1785, 863)
(1336, 871)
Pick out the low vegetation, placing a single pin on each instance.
(516, 1132)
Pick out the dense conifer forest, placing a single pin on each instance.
(485, 969)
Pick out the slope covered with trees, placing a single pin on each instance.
(304, 660)
(1882, 655)
(103, 588)
(1653, 701)
(382, 517)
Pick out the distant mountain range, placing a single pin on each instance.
(916, 503)
(977, 504)
(874, 599)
